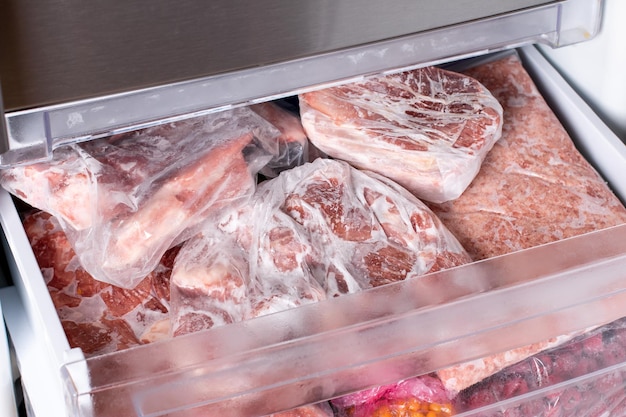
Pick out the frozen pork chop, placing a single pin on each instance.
(427, 129)
(534, 187)
(319, 230)
(98, 317)
(124, 200)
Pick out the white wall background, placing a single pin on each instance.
(597, 68)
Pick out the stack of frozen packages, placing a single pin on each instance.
(427, 129)
(320, 230)
(534, 187)
(125, 200)
(316, 231)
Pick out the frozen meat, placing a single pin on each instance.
(293, 145)
(319, 230)
(124, 200)
(534, 187)
(96, 316)
(427, 129)
(601, 394)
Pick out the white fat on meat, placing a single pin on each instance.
(427, 129)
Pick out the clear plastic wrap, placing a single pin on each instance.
(124, 200)
(293, 145)
(320, 230)
(99, 317)
(423, 396)
(534, 186)
(577, 379)
(427, 129)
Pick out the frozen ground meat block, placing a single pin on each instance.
(293, 145)
(99, 317)
(534, 187)
(124, 200)
(427, 129)
(319, 230)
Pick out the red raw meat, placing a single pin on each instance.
(428, 129)
(600, 395)
(319, 230)
(293, 145)
(124, 200)
(98, 317)
(534, 187)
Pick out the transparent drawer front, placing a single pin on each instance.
(375, 337)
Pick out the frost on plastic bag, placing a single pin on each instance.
(534, 186)
(319, 230)
(124, 200)
(98, 317)
(590, 392)
(415, 397)
(293, 145)
(428, 129)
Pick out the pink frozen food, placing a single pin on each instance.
(124, 200)
(427, 129)
(423, 396)
(534, 187)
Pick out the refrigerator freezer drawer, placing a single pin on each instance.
(281, 361)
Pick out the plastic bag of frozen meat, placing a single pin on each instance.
(428, 129)
(319, 230)
(124, 200)
(585, 377)
(98, 317)
(293, 145)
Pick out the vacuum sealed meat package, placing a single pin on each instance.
(319, 230)
(124, 200)
(99, 317)
(534, 187)
(427, 129)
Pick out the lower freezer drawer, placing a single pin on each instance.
(337, 346)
